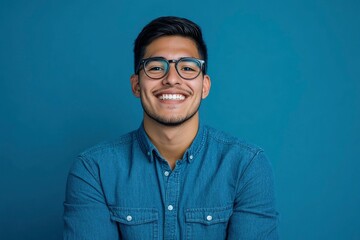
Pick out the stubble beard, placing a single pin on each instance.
(172, 121)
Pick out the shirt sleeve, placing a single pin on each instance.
(255, 215)
(86, 215)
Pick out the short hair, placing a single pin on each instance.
(169, 26)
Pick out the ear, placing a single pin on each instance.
(206, 86)
(135, 85)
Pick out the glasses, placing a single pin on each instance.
(157, 67)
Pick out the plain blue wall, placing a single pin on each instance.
(285, 75)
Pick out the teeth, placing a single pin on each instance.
(172, 97)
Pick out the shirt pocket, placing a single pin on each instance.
(136, 223)
(207, 223)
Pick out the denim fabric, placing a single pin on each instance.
(222, 188)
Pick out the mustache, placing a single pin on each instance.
(173, 89)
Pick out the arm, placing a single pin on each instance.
(255, 216)
(86, 215)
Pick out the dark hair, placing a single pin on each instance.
(168, 26)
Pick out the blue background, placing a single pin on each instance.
(285, 75)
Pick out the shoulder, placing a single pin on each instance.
(235, 152)
(229, 141)
(104, 146)
(110, 150)
(105, 155)
(244, 156)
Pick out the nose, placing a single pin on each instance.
(172, 77)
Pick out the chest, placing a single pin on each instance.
(154, 202)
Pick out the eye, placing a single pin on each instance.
(155, 69)
(188, 66)
(155, 66)
(188, 69)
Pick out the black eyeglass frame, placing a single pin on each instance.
(143, 62)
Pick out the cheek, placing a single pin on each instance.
(198, 89)
(146, 92)
(144, 88)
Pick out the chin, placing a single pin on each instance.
(170, 121)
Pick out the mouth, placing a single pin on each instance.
(174, 97)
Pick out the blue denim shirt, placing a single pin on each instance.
(222, 188)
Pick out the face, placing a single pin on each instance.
(170, 100)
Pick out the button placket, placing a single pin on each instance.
(171, 201)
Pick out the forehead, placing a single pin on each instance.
(172, 47)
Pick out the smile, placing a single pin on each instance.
(172, 97)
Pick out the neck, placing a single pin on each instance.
(172, 141)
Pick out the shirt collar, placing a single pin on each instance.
(190, 154)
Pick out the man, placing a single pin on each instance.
(173, 178)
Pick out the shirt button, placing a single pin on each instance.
(170, 207)
(129, 218)
(166, 173)
(148, 153)
(191, 157)
(209, 218)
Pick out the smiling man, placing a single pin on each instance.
(173, 178)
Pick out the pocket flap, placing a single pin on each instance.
(208, 216)
(133, 216)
